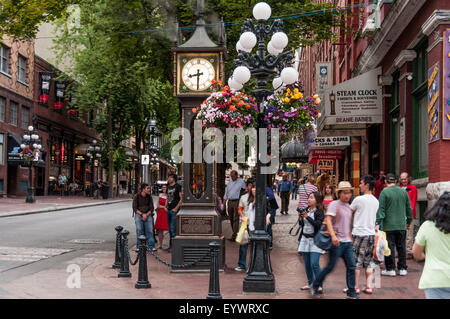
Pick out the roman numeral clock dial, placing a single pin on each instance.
(197, 74)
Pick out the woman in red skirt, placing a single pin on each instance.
(161, 218)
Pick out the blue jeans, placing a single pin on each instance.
(272, 221)
(312, 266)
(146, 226)
(437, 293)
(294, 193)
(242, 262)
(172, 221)
(344, 250)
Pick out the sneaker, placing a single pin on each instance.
(239, 268)
(154, 249)
(356, 289)
(307, 287)
(403, 272)
(353, 297)
(388, 273)
(315, 293)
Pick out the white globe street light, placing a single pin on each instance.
(248, 40)
(272, 50)
(279, 40)
(277, 83)
(22, 146)
(239, 47)
(241, 74)
(289, 75)
(30, 128)
(262, 11)
(234, 85)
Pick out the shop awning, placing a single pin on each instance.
(315, 155)
(293, 151)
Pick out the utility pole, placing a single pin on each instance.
(110, 146)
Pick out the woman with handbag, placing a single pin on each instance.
(311, 220)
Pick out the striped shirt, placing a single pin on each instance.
(303, 192)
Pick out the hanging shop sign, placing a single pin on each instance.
(324, 79)
(446, 88)
(433, 103)
(60, 88)
(45, 80)
(356, 101)
(325, 164)
(80, 157)
(331, 141)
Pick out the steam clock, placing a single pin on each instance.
(197, 62)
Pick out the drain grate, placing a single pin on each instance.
(86, 241)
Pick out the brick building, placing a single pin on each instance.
(16, 104)
(404, 42)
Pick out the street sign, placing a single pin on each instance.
(145, 159)
(325, 164)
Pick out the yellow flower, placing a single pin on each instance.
(315, 96)
(288, 90)
(287, 100)
(319, 115)
(317, 101)
(296, 91)
(297, 96)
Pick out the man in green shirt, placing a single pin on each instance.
(394, 216)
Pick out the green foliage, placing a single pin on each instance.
(21, 18)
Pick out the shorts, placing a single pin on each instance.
(363, 247)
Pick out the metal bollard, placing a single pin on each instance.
(214, 287)
(124, 262)
(116, 264)
(143, 282)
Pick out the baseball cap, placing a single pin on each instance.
(391, 177)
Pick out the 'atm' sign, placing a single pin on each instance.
(325, 164)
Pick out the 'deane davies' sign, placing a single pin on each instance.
(331, 141)
(356, 101)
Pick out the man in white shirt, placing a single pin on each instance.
(364, 209)
(232, 196)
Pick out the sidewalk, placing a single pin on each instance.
(99, 280)
(17, 206)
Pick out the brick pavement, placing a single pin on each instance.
(99, 280)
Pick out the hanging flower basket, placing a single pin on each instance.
(289, 110)
(29, 155)
(226, 108)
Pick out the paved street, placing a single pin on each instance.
(36, 250)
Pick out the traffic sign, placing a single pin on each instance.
(145, 159)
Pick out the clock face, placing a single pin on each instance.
(197, 74)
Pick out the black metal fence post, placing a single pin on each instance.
(116, 264)
(124, 262)
(214, 287)
(143, 282)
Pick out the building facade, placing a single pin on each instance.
(407, 43)
(16, 105)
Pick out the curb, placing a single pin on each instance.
(53, 209)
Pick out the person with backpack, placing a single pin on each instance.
(143, 216)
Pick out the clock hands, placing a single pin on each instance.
(198, 77)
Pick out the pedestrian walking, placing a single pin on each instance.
(328, 195)
(232, 196)
(323, 180)
(272, 207)
(284, 191)
(143, 216)
(364, 209)
(246, 213)
(311, 220)
(161, 223)
(62, 181)
(174, 201)
(294, 188)
(339, 222)
(433, 244)
(305, 190)
(98, 189)
(394, 216)
(405, 183)
(380, 184)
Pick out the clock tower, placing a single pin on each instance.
(197, 62)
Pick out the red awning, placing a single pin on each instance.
(315, 155)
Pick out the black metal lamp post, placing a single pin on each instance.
(153, 146)
(31, 144)
(259, 276)
(93, 153)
